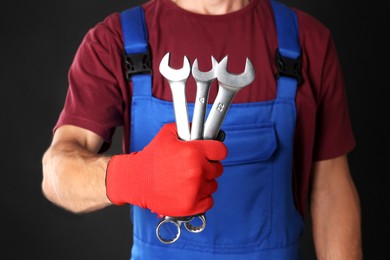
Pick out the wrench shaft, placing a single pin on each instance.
(201, 100)
(218, 112)
(181, 110)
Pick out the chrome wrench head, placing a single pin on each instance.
(175, 75)
(177, 79)
(205, 76)
(235, 81)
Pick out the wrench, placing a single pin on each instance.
(177, 81)
(203, 83)
(229, 85)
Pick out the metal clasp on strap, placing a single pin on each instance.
(288, 67)
(137, 63)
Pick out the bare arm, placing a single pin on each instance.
(335, 211)
(73, 173)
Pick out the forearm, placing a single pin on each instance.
(335, 213)
(74, 178)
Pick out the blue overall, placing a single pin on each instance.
(254, 216)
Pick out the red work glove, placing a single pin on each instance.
(169, 176)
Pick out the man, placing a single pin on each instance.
(293, 143)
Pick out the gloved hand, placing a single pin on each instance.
(169, 176)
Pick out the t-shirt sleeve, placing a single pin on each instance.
(334, 134)
(94, 100)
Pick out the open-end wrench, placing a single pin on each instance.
(229, 85)
(177, 79)
(203, 83)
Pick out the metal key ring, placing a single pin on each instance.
(166, 221)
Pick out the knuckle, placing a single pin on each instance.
(213, 186)
(206, 204)
(194, 174)
(191, 152)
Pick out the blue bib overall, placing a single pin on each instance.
(254, 216)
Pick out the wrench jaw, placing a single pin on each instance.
(175, 74)
(205, 76)
(235, 81)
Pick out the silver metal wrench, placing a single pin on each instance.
(229, 85)
(203, 83)
(177, 79)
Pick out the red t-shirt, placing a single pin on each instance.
(99, 97)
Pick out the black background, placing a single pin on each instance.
(38, 41)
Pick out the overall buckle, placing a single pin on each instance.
(137, 63)
(288, 67)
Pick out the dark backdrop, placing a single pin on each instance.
(38, 41)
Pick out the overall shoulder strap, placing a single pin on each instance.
(137, 55)
(288, 54)
(135, 36)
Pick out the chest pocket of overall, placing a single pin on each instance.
(249, 143)
(241, 215)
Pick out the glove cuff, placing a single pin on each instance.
(127, 181)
